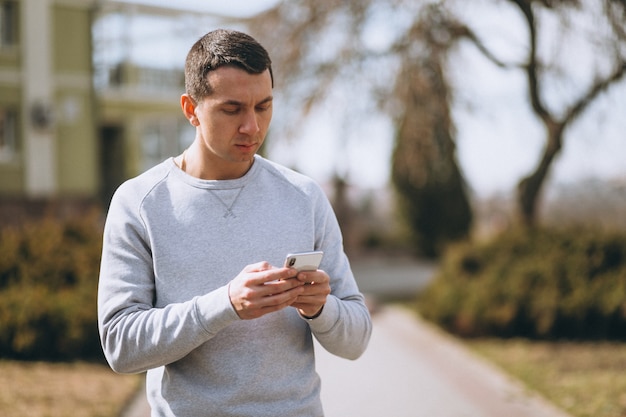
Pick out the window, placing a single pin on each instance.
(8, 23)
(8, 134)
(164, 138)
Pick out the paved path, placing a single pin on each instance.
(410, 368)
(392, 277)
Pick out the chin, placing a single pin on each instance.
(246, 159)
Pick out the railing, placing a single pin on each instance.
(126, 76)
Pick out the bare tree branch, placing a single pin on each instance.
(532, 65)
(316, 66)
(595, 90)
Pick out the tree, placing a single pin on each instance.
(322, 46)
(611, 16)
(432, 190)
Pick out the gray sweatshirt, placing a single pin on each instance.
(172, 243)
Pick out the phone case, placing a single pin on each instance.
(304, 261)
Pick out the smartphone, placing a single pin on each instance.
(304, 261)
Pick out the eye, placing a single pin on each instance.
(232, 109)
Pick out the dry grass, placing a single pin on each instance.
(41, 389)
(584, 379)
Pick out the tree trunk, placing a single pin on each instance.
(529, 188)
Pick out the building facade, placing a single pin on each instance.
(47, 106)
(65, 138)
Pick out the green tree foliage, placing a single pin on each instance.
(537, 284)
(425, 172)
(48, 289)
(324, 49)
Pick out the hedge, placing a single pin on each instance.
(48, 289)
(543, 284)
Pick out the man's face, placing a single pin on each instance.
(233, 120)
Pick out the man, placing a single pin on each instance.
(192, 284)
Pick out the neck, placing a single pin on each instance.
(188, 163)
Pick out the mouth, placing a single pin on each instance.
(246, 147)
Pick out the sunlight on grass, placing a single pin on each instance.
(39, 389)
(584, 379)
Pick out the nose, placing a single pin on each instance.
(249, 124)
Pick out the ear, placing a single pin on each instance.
(188, 106)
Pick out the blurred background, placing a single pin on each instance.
(486, 138)
(374, 99)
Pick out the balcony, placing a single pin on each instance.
(128, 82)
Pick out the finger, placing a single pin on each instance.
(275, 302)
(273, 288)
(315, 290)
(277, 292)
(255, 305)
(310, 299)
(269, 309)
(318, 277)
(313, 294)
(269, 274)
(259, 266)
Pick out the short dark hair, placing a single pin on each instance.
(219, 48)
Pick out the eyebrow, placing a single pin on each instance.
(239, 103)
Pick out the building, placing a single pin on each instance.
(71, 129)
(48, 146)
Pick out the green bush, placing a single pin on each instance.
(536, 284)
(48, 289)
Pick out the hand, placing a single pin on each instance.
(261, 288)
(315, 291)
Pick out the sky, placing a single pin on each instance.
(498, 138)
(239, 8)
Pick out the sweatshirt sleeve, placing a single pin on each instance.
(344, 326)
(135, 335)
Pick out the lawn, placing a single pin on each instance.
(584, 379)
(40, 389)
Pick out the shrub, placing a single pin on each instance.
(48, 289)
(537, 284)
